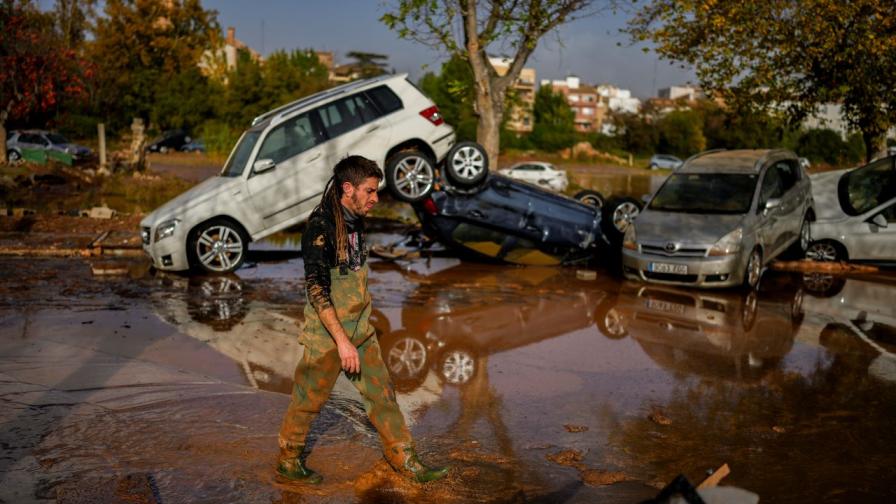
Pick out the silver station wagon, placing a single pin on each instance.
(720, 218)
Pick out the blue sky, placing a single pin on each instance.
(586, 47)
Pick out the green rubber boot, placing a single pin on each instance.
(290, 466)
(404, 460)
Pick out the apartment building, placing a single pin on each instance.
(521, 116)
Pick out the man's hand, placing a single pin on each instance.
(349, 356)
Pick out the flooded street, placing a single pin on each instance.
(533, 385)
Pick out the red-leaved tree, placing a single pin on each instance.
(38, 73)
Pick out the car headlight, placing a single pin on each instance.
(166, 229)
(630, 239)
(729, 244)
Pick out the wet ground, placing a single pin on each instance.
(533, 385)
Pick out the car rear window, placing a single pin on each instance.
(706, 193)
(386, 100)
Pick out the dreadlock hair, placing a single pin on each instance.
(354, 170)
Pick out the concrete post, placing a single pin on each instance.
(101, 132)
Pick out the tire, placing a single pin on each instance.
(609, 321)
(652, 166)
(753, 272)
(163, 150)
(13, 155)
(823, 285)
(218, 246)
(458, 366)
(590, 197)
(405, 356)
(826, 251)
(466, 164)
(410, 176)
(797, 250)
(618, 215)
(748, 310)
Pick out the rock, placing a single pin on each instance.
(586, 275)
(575, 428)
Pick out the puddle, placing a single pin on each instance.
(532, 384)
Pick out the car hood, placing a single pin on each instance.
(825, 195)
(195, 196)
(697, 229)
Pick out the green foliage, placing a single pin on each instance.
(182, 101)
(369, 64)
(452, 90)
(636, 134)
(826, 145)
(681, 133)
(795, 54)
(554, 121)
(219, 137)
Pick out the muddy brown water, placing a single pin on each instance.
(533, 385)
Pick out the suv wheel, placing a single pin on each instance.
(825, 251)
(590, 197)
(410, 176)
(13, 155)
(217, 246)
(466, 164)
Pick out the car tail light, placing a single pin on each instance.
(432, 115)
(430, 206)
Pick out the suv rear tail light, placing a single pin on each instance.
(432, 115)
(430, 206)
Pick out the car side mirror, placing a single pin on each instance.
(772, 203)
(263, 165)
(879, 220)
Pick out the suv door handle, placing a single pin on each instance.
(373, 128)
(314, 157)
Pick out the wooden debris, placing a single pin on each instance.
(586, 275)
(714, 478)
(808, 266)
(659, 418)
(575, 428)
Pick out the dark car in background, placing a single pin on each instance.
(171, 140)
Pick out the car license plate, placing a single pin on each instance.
(665, 306)
(677, 269)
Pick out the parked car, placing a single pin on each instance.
(665, 161)
(278, 169)
(43, 140)
(196, 145)
(856, 214)
(512, 221)
(720, 218)
(168, 141)
(539, 173)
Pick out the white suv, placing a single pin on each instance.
(276, 174)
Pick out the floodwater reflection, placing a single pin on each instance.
(794, 381)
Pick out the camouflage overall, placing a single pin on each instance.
(316, 373)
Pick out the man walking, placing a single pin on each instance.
(338, 335)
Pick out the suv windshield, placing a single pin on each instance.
(706, 193)
(240, 156)
(867, 187)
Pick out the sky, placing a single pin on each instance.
(591, 48)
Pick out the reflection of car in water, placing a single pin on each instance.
(854, 316)
(457, 317)
(736, 335)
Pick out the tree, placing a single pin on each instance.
(73, 20)
(681, 133)
(368, 64)
(790, 54)
(38, 72)
(554, 121)
(468, 28)
(140, 45)
(452, 90)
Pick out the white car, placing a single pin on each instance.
(856, 214)
(278, 169)
(541, 174)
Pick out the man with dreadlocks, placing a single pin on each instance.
(337, 335)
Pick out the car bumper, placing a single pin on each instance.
(168, 254)
(725, 271)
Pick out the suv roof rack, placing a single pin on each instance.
(701, 154)
(322, 95)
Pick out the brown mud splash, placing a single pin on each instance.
(591, 477)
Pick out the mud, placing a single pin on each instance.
(533, 385)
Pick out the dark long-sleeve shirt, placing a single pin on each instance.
(319, 253)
